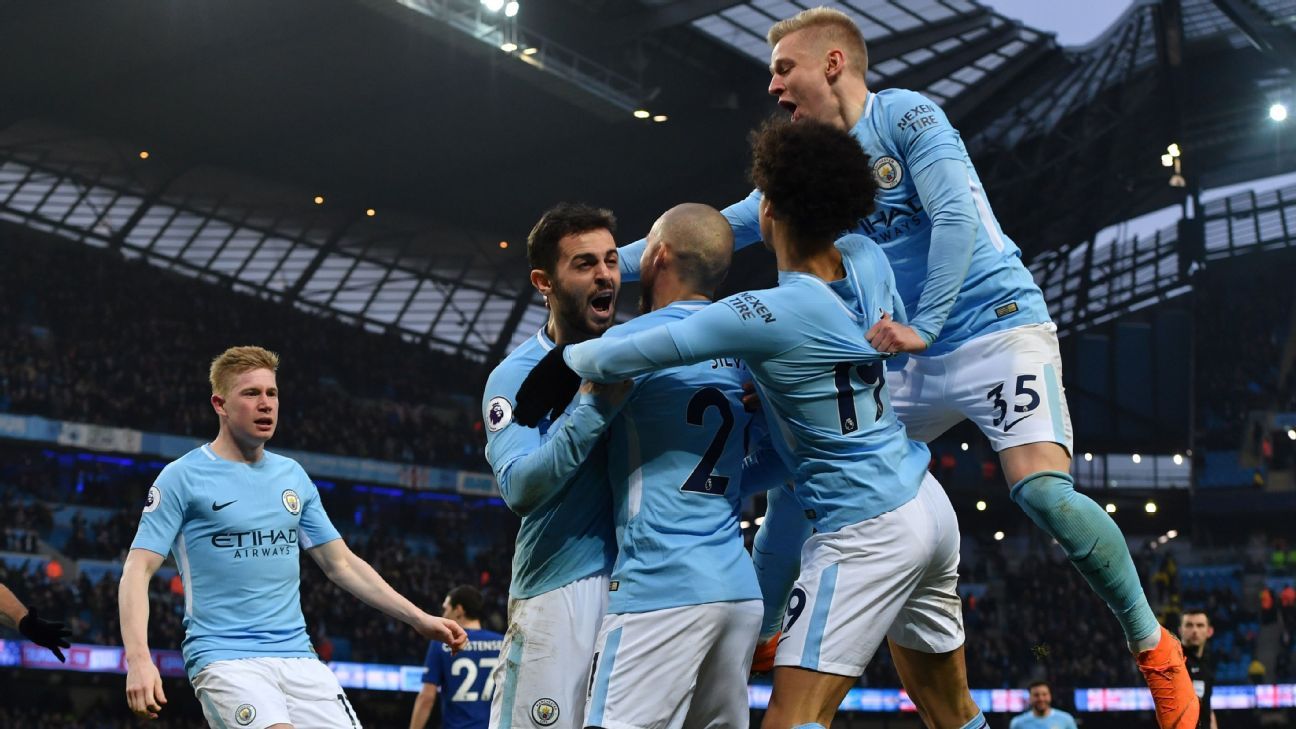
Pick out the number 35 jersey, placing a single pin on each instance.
(675, 456)
(822, 385)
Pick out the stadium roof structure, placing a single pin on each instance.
(459, 126)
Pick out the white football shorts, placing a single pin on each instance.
(1009, 383)
(259, 692)
(543, 673)
(893, 576)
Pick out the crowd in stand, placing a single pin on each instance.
(1242, 372)
(344, 390)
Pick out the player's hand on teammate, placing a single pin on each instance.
(547, 390)
(750, 399)
(612, 394)
(442, 630)
(763, 661)
(45, 633)
(144, 693)
(891, 337)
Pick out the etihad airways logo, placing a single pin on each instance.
(258, 543)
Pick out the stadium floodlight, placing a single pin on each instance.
(511, 9)
(999, 536)
(1173, 150)
(1178, 459)
(981, 506)
(493, 5)
(1167, 160)
(503, 244)
(319, 199)
(641, 114)
(144, 154)
(759, 520)
(1136, 458)
(508, 47)
(963, 446)
(370, 212)
(1111, 508)
(1291, 434)
(659, 118)
(1150, 507)
(530, 51)
(1278, 112)
(1088, 457)
(1172, 533)
(744, 524)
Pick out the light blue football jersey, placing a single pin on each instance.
(553, 476)
(904, 133)
(1056, 719)
(821, 383)
(675, 457)
(237, 531)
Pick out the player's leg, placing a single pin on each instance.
(645, 667)
(803, 697)
(241, 693)
(853, 584)
(927, 636)
(543, 674)
(1018, 401)
(315, 697)
(720, 698)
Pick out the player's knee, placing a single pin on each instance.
(1043, 492)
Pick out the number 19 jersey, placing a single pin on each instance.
(675, 463)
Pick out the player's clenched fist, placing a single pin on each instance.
(891, 337)
(144, 692)
(443, 630)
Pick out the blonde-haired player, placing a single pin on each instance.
(236, 517)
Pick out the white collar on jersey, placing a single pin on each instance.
(545, 343)
(868, 105)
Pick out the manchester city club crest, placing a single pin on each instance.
(244, 714)
(499, 413)
(153, 500)
(291, 502)
(888, 172)
(544, 712)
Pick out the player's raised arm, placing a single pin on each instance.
(743, 217)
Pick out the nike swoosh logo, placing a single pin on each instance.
(218, 507)
(1009, 426)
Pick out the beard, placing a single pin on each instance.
(571, 307)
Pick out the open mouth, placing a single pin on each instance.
(602, 303)
(264, 422)
(790, 106)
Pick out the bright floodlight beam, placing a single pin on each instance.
(493, 5)
(1278, 112)
(511, 9)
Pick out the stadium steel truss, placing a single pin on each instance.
(1067, 142)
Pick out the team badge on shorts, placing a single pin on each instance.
(499, 413)
(153, 500)
(888, 172)
(544, 712)
(291, 502)
(244, 714)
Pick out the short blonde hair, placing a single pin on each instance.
(834, 26)
(235, 361)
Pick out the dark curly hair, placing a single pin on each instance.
(817, 177)
(562, 220)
